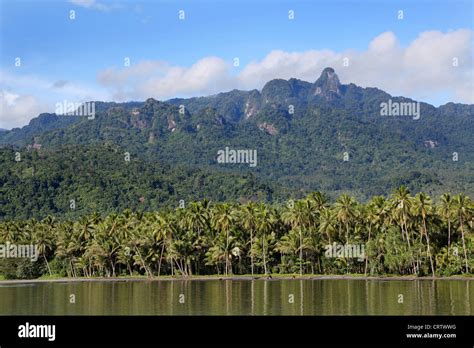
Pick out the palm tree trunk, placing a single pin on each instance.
(143, 263)
(227, 253)
(406, 231)
(179, 267)
(301, 253)
(464, 244)
(347, 242)
(366, 256)
(428, 247)
(113, 268)
(263, 251)
(161, 258)
(251, 249)
(449, 233)
(408, 239)
(47, 264)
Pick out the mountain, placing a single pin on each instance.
(307, 136)
(42, 123)
(47, 122)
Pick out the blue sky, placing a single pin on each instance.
(84, 58)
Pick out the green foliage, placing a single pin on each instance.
(113, 216)
(99, 179)
(21, 269)
(404, 235)
(298, 152)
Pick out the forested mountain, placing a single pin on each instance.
(324, 136)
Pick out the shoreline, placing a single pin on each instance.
(232, 277)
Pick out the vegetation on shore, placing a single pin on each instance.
(402, 234)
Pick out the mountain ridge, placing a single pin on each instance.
(292, 90)
(332, 139)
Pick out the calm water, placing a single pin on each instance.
(241, 297)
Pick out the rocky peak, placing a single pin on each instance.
(328, 84)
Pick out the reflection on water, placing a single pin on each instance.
(241, 297)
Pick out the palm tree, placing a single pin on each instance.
(374, 214)
(289, 244)
(265, 221)
(11, 230)
(327, 223)
(43, 237)
(65, 246)
(249, 223)
(299, 217)
(423, 208)
(187, 241)
(346, 212)
(164, 231)
(197, 216)
(319, 200)
(217, 253)
(106, 233)
(402, 206)
(463, 212)
(142, 241)
(223, 220)
(446, 210)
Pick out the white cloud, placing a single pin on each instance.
(91, 4)
(159, 79)
(23, 97)
(17, 109)
(279, 64)
(422, 70)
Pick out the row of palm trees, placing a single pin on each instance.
(401, 234)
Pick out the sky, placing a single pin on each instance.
(85, 50)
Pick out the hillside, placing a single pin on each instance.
(323, 136)
(74, 181)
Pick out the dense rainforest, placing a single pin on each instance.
(74, 181)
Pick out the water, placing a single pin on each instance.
(241, 297)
